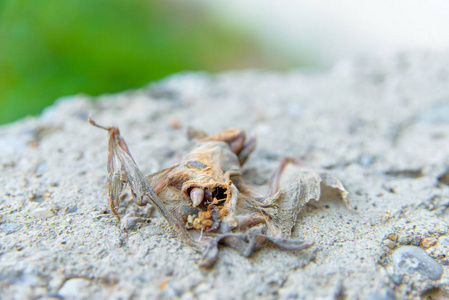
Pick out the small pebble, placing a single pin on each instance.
(390, 244)
(131, 222)
(393, 237)
(72, 287)
(429, 242)
(405, 240)
(411, 259)
(202, 288)
(42, 213)
(70, 210)
(397, 278)
(40, 169)
(416, 241)
(366, 160)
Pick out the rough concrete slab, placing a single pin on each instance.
(382, 126)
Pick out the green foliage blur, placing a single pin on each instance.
(53, 48)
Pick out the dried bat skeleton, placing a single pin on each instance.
(205, 200)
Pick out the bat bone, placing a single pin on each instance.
(196, 195)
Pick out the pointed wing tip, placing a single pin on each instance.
(93, 123)
(107, 128)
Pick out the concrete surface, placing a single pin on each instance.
(381, 126)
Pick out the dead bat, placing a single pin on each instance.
(205, 200)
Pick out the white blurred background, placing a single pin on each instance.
(328, 31)
(106, 46)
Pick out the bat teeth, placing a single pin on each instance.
(196, 195)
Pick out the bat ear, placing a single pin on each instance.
(240, 144)
(247, 148)
(195, 134)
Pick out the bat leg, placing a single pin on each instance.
(289, 244)
(251, 220)
(247, 190)
(275, 180)
(210, 253)
(254, 238)
(247, 149)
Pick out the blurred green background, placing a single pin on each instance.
(53, 48)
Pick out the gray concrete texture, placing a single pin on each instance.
(380, 125)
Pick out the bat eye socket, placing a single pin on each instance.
(219, 193)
